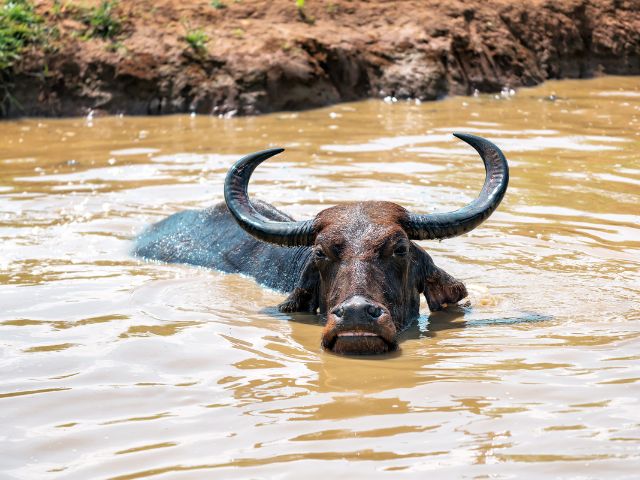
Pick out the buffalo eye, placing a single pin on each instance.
(319, 254)
(400, 250)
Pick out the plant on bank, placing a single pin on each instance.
(102, 20)
(197, 39)
(19, 26)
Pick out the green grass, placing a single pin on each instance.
(102, 20)
(218, 4)
(197, 39)
(19, 26)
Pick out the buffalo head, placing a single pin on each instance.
(364, 272)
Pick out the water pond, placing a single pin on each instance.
(112, 367)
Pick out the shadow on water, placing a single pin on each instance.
(298, 317)
(454, 319)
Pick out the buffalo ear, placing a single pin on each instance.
(305, 295)
(440, 289)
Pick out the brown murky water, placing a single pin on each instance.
(116, 368)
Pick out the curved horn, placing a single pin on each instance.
(288, 234)
(447, 225)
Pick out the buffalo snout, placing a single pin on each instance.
(357, 311)
(359, 326)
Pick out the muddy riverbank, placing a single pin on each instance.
(248, 57)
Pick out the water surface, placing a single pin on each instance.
(111, 367)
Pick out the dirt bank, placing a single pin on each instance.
(256, 56)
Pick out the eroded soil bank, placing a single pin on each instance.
(257, 56)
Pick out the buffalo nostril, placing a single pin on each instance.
(339, 312)
(374, 312)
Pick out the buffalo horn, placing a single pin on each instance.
(253, 222)
(446, 225)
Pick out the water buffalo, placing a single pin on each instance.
(356, 263)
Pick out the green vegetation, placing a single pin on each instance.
(218, 4)
(22, 27)
(197, 39)
(302, 14)
(19, 27)
(102, 20)
(58, 8)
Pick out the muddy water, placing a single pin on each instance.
(111, 367)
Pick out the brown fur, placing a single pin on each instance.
(362, 250)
